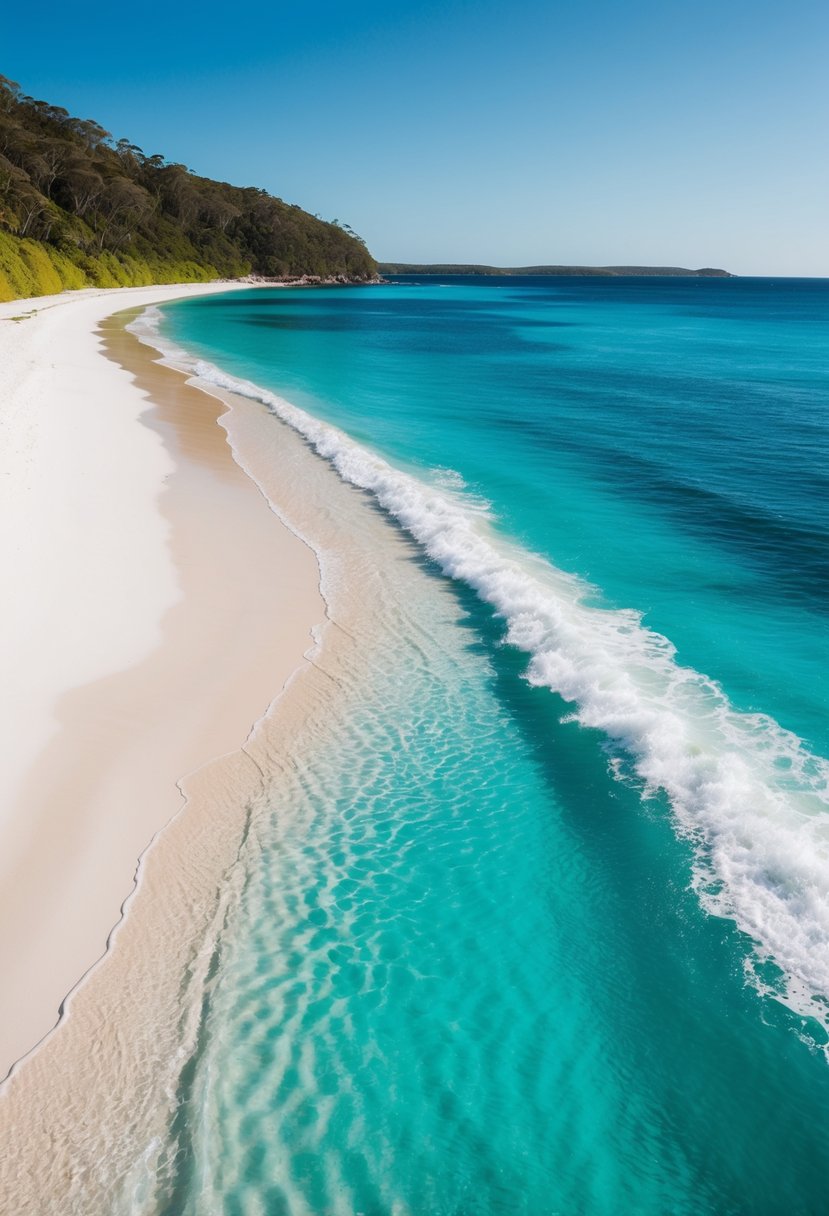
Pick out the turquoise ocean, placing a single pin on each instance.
(539, 923)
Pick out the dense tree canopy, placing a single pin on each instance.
(105, 211)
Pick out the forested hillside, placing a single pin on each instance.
(79, 209)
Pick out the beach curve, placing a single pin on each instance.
(128, 663)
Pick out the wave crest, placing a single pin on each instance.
(748, 794)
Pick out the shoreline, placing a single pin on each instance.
(88, 1119)
(197, 662)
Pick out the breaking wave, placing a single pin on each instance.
(748, 793)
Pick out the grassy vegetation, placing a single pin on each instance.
(78, 209)
(33, 268)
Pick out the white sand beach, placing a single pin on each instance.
(153, 606)
(169, 741)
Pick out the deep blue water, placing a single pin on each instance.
(546, 928)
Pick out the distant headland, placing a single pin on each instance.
(706, 272)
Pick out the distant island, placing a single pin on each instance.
(706, 272)
(80, 209)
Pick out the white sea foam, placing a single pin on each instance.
(454, 485)
(448, 479)
(748, 794)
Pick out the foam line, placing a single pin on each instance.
(752, 799)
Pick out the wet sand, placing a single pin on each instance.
(86, 1119)
(245, 600)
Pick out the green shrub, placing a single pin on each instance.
(45, 275)
(31, 268)
(18, 279)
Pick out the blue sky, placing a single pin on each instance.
(511, 133)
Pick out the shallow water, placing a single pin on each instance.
(472, 967)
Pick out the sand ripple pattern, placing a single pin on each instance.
(421, 1002)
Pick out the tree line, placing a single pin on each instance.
(102, 206)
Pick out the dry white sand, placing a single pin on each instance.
(152, 607)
